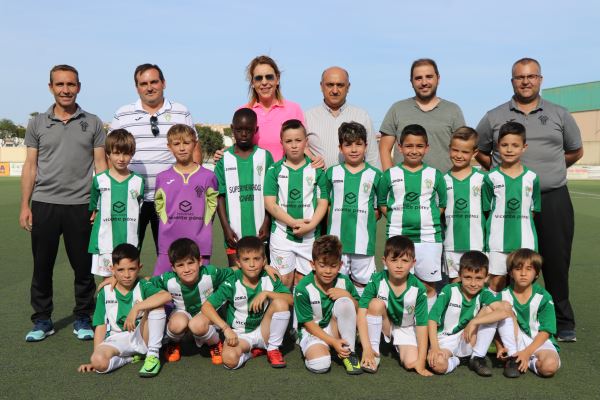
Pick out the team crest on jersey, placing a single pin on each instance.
(310, 180)
(428, 183)
(259, 169)
(168, 117)
(105, 262)
(367, 187)
(134, 194)
(278, 260)
(410, 309)
(528, 190)
(476, 191)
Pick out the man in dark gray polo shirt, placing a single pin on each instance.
(439, 117)
(554, 144)
(64, 146)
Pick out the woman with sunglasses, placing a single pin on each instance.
(267, 101)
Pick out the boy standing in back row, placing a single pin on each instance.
(185, 199)
(115, 201)
(511, 193)
(464, 216)
(353, 197)
(241, 176)
(412, 195)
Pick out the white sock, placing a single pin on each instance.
(374, 325)
(453, 362)
(243, 358)
(345, 314)
(174, 337)
(211, 337)
(532, 364)
(115, 363)
(506, 329)
(279, 323)
(431, 301)
(485, 336)
(156, 327)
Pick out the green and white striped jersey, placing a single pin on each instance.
(190, 298)
(297, 192)
(452, 311)
(511, 202)
(413, 201)
(536, 315)
(312, 304)
(239, 297)
(465, 222)
(112, 307)
(407, 309)
(241, 182)
(117, 206)
(353, 200)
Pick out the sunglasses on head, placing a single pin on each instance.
(259, 78)
(154, 125)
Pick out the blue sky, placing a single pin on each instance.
(203, 49)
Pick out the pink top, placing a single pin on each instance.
(269, 125)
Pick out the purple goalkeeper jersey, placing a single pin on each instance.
(185, 205)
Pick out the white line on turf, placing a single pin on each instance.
(588, 195)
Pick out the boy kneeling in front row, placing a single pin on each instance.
(129, 320)
(258, 308)
(325, 302)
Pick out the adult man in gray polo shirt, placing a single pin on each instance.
(323, 121)
(439, 117)
(554, 144)
(148, 120)
(64, 146)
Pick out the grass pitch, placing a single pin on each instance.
(48, 369)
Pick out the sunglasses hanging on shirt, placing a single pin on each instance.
(154, 125)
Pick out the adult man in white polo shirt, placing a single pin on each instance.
(323, 121)
(149, 119)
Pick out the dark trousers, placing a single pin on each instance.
(148, 216)
(555, 227)
(49, 222)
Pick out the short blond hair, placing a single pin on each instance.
(181, 131)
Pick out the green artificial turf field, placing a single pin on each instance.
(48, 369)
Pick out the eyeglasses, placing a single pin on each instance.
(259, 78)
(531, 77)
(154, 125)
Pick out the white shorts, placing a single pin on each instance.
(187, 314)
(127, 343)
(525, 340)
(455, 344)
(452, 263)
(403, 336)
(428, 267)
(498, 263)
(254, 339)
(101, 264)
(359, 267)
(309, 340)
(287, 256)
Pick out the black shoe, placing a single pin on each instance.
(511, 368)
(566, 336)
(479, 365)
